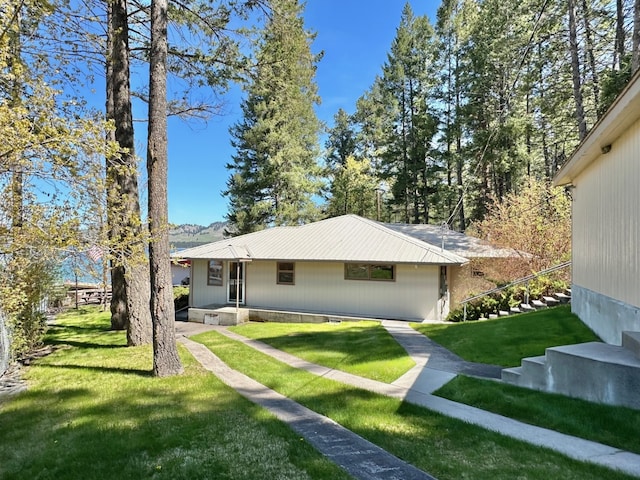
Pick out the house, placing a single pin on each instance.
(486, 262)
(342, 266)
(180, 271)
(604, 177)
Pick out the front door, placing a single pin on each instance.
(235, 285)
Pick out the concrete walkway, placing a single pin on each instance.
(361, 458)
(417, 387)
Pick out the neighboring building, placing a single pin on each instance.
(604, 177)
(487, 264)
(346, 265)
(180, 271)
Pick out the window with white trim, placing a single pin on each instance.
(286, 273)
(214, 273)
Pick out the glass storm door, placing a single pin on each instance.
(235, 285)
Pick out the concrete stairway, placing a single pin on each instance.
(593, 371)
(537, 304)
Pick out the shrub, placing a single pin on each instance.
(180, 297)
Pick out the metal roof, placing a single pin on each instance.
(348, 238)
(455, 242)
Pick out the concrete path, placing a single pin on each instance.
(361, 458)
(419, 393)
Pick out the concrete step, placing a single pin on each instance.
(493, 316)
(515, 310)
(503, 313)
(511, 375)
(534, 373)
(551, 301)
(595, 371)
(562, 297)
(525, 307)
(537, 304)
(631, 341)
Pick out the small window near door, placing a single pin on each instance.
(214, 273)
(286, 273)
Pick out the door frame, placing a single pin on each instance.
(232, 279)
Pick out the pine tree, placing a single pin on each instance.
(275, 171)
(165, 352)
(408, 78)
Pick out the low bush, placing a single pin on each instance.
(180, 297)
(507, 298)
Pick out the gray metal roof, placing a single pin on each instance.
(348, 238)
(455, 242)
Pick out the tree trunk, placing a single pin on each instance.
(618, 53)
(165, 354)
(588, 35)
(575, 70)
(17, 178)
(129, 278)
(635, 49)
(459, 160)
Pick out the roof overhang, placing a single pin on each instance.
(623, 113)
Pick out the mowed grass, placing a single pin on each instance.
(506, 341)
(614, 426)
(362, 348)
(444, 447)
(93, 411)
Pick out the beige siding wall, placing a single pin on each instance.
(606, 222)
(202, 294)
(321, 287)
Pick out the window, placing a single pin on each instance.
(365, 271)
(286, 273)
(214, 273)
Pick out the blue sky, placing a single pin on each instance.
(355, 36)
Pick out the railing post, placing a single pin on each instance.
(464, 315)
(526, 293)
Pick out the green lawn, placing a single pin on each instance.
(93, 411)
(507, 340)
(362, 348)
(614, 426)
(444, 447)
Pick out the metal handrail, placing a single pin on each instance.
(515, 282)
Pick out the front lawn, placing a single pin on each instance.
(507, 340)
(362, 348)
(445, 447)
(93, 411)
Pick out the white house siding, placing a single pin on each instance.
(606, 223)
(321, 287)
(201, 294)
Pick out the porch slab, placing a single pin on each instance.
(216, 315)
(227, 315)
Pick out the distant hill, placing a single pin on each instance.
(189, 235)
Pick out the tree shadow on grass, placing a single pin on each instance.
(131, 371)
(75, 343)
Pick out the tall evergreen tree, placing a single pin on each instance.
(408, 77)
(275, 173)
(342, 140)
(165, 353)
(129, 271)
